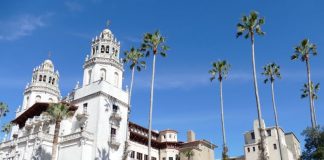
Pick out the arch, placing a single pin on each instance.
(103, 74)
(107, 49)
(44, 78)
(53, 81)
(38, 98)
(102, 49)
(116, 79)
(40, 77)
(50, 100)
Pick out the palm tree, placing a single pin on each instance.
(57, 112)
(133, 57)
(153, 43)
(6, 128)
(251, 25)
(271, 72)
(314, 89)
(303, 51)
(3, 109)
(188, 154)
(220, 69)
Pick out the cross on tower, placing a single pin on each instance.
(108, 23)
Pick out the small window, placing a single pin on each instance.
(50, 100)
(132, 155)
(40, 77)
(97, 48)
(116, 79)
(253, 149)
(107, 49)
(93, 51)
(50, 80)
(85, 108)
(170, 158)
(248, 149)
(145, 157)
(38, 98)
(275, 146)
(102, 49)
(44, 79)
(153, 158)
(53, 81)
(115, 108)
(139, 156)
(113, 131)
(269, 132)
(252, 135)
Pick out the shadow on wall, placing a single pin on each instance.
(41, 154)
(103, 154)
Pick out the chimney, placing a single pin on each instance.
(191, 136)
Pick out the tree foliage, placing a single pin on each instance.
(314, 144)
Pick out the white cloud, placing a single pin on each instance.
(21, 26)
(73, 6)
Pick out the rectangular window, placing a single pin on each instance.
(139, 156)
(252, 135)
(153, 158)
(269, 132)
(275, 146)
(132, 155)
(253, 149)
(163, 158)
(115, 108)
(248, 149)
(145, 157)
(170, 158)
(113, 131)
(85, 108)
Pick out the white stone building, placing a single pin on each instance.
(98, 129)
(289, 143)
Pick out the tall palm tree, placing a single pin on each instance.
(189, 154)
(133, 57)
(271, 72)
(153, 43)
(251, 25)
(305, 94)
(57, 112)
(6, 128)
(303, 52)
(220, 69)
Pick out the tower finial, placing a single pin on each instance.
(108, 23)
(49, 54)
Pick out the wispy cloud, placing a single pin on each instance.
(20, 26)
(73, 6)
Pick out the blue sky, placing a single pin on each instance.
(198, 33)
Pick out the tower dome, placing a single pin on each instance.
(43, 86)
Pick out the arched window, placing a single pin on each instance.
(102, 49)
(50, 100)
(44, 78)
(38, 98)
(116, 79)
(50, 80)
(40, 77)
(89, 76)
(113, 50)
(97, 48)
(93, 50)
(102, 74)
(53, 81)
(107, 49)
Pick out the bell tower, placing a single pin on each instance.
(103, 64)
(43, 86)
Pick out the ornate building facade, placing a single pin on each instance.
(99, 127)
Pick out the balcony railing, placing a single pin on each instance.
(113, 142)
(77, 136)
(116, 115)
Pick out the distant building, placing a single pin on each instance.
(99, 129)
(289, 142)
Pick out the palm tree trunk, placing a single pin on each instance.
(55, 138)
(310, 94)
(151, 108)
(276, 119)
(125, 154)
(315, 119)
(222, 116)
(256, 92)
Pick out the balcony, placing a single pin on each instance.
(24, 139)
(116, 115)
(77, 136)
(113, 142)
